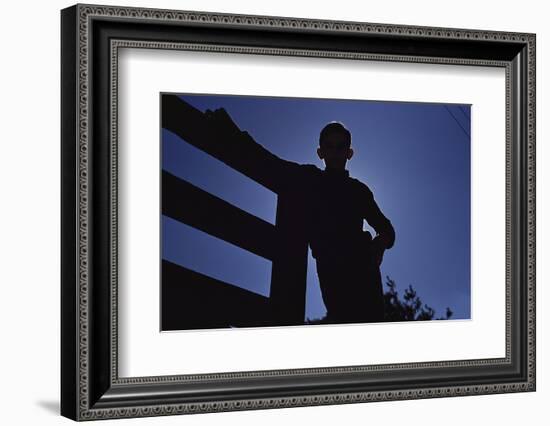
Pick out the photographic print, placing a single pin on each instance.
(280, 211)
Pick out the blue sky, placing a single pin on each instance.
(415, 157)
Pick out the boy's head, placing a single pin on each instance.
(335, 145)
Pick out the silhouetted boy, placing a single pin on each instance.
(335, 204)
(347, 257)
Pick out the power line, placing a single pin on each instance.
(457, 122)
(464, 112)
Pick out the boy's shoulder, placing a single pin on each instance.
(360, 186)
(310, 170)
(311, 167)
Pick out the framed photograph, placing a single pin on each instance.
(263, 212)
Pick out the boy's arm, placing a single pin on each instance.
(385, 232)
(251, 158)
(215, 133)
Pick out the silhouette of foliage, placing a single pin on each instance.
(408, 308)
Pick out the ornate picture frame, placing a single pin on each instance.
(91, 39)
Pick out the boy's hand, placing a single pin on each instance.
(223, 121)
(377, 250)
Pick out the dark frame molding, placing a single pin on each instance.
(90, 386)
